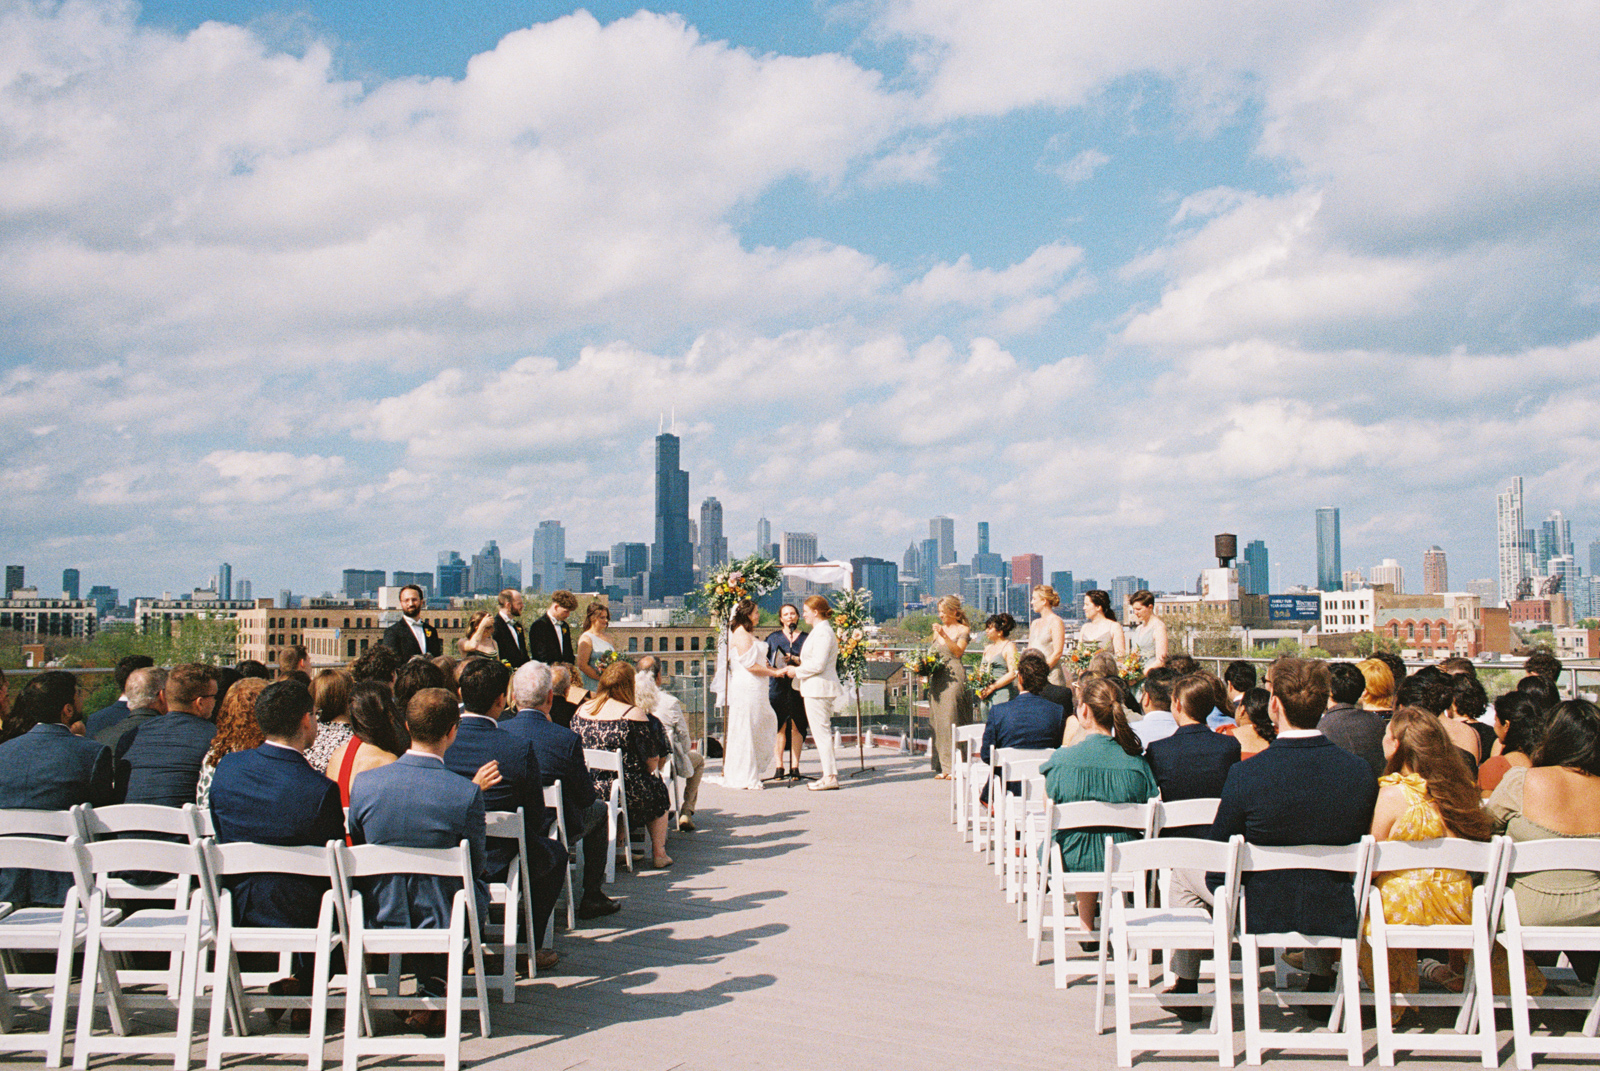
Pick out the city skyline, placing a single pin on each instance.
(1112, 278)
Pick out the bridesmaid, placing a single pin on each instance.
(949, 702)
(1000, 657)
(1150, 635)
(1100, 624)
(1048, 634)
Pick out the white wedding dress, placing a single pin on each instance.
(752, 725)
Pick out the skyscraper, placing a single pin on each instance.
(550, 556)
(1061, 580)
(452, 574)
(983, 537)
(14, 579)
(1028, 569)
(764, 536)
(672, 554)
(483, 574)
(242, 592)
(1255, 571)
(1123, 587)
(1435, 571)
(1555, 539)
(1513, 564)
(1594, 558)
(944, 530)
(363, 583)
(629, 559)
(713, 550)
(985, 562)
(69, 585)
(1390, 571)
(799, 548)
(1330, 565)
(928, 565)
(881, 578)
(421, 580)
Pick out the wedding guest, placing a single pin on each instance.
(1048, 633)
(377, 736)
(1100, 624)
(786, 643)
(330, 702)
(1254, 728)
(653, 698)
(594, 644)
(612, 722)
(1240, 677)
(1159, 721)
(1000, 657)
(146, 695)
(410, 635)
(378, 663)
(1029, 721)
(1377, 693)
(1519, 725)
(292, 659)
(250, 669)
(1468, 704)
(1541, 691)
(479, 639)
(448, 668)
(1359, 732)
(562, 707)
(949, 701)
(160, 762)
(417, 674)
(1397, 666)
(1150, 635)
(1192, 762)
(1544, 664)
(106, 717)
(237, 730)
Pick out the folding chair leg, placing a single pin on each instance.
(1521, 1033)
(1483, 973)
(1124, 1017)
(1352, 1005)
(1251, 957)
(1382, 1001)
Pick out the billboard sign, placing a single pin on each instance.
(1294, 607)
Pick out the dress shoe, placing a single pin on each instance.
(284, 987)
(1188, 1013)
(823, 784)
(426, 1022)
(685, 825)
(546, 959)
(597, 905)
(1319, 983)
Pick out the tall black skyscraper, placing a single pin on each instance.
(672, 554)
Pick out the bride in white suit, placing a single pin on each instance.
(752, 725)
(818, 681)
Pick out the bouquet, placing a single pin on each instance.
(1078, 658)
(980, 679)
(600, 660)
(924, 663)
(748, 578)
(1131, 666)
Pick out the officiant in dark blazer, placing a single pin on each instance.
(508, 635)
(411, 636)
(549, 639)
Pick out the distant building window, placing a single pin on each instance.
(679, 670)
(694, 668)
(633, 643)
(680, 647)
(350, 648)
(347, 622)
(694, 644)
(1411, 631)
(648, 641)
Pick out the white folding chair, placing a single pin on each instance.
(618, 831)
(238, 859)
(1024, 837)
(1009, 810)
(61, 930)
(968, 739)
(1346, 997)
(1061, 886)
(1177, 814)
(186, 932)
(668, 774)
(1136, 929)
(375, 860)
(558, 833)
(1474, 857)
(514, 934)
(1527, 857)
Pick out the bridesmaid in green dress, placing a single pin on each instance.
(1000, 658)
(949, 701)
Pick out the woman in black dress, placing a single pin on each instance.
(786, 700)
(610, 722)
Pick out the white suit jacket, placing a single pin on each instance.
(815, 674)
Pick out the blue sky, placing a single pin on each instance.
(325, 285)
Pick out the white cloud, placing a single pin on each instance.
(1082, 166)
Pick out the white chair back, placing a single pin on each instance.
(104, 822)
(22, 822)
(1175, 814)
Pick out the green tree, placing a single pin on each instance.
(1368, 643)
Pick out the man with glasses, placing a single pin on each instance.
(160, 761)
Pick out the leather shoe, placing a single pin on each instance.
(597, 906)
(1188, 1013)
(546, 959)
(284, 987)
(427, 1022)
(685, 825)
(824, 784)
(1319, 983)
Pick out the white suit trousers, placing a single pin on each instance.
(819, 712)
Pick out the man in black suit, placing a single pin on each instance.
(1303, 789)
(1193, 762)
(480, 740)
(560, 754)
(48, 768)
(159, 762)
(146, 695)
(411, 636)
(106, 717)
(549, 640)
(1358, 731)
(1030, 720)
(271, 795)
(508, 635)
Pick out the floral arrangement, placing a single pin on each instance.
(1131, 666)
(1078, 658)
(924, 663)
(980, 679)
(748, 578)
(603, 659)
(851, 614)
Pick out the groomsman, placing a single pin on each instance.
(508, 629)
(411, 636)
(549, 640)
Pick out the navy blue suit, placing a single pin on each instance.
(47, 768)
(160, 762)
(559, 752)
(271, 795)
(1027, 721)
(1359, 732)
(1300, 790)
(113, 735)
(106, 717)
(1191, 764)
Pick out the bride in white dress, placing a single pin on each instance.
(752, 724)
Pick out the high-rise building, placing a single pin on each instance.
(763, 536)
(986, 562)
(799, 548)
(1390, 571)
(1123, 587)
(421, 580)
(928, 565)
(629, 559)
(363, 583)
(1330, 565)
(1435, 571)
(1255, 575)
(483, 572)
(1353, 580)
(241, 590)
(14, 579)
(944, 530)
(713, 546)
(550, 555)
(882, 578)
(1566, 567)
(911, 562)
(1512, 540)
(1555, 539)
(1061, 580)
(224, 581)
(69, 586)
(1027, 569)
(672, 554)
(104, 599)
(983, 537)
(511, 575)
(452, 574)
(1594, 558)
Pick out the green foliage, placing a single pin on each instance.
(1589, 622)
(1367, 643)
(1286, 648)
(918, 625)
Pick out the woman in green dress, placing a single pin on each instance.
(949, 701)
(1106, 766)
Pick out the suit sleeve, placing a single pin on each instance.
(535, 814)
(581, 792)
(476, 837)
(102, 786)
(391, 638)
(1230, 807)
(330, 824)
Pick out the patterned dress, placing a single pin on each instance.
(645, 792)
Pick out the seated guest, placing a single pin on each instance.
(237, 730)
(1183, 665)
(1158, 723)
(1519, 725)
(1104, 765)
(416, 802)
(106, 717)
(145, 693)
(1303, 789)
(378, 736)
(1193, 762)
(1468, 703)
(560, 755)
(251, 669)
(450, 667)
(47, 768)
(612, 722)
(666, 708)
(160, 761)
(292, 659)
(561, 705)
(1029, 720)
(269, 794)
(1254, 730)
(480, 742)
(1432, 691)
(1541, 691)
(1359, 732)
(1396, 664)
(420, 673)
(330, 696)
(1240, 677)
(1558, 797)
(1456, 666)
(1377, 693)
(1542, 663)
(379, 663)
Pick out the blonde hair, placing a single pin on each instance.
(1380, 683)
(951, 605)
(1048, 594)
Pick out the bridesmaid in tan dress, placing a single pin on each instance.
(949, 701)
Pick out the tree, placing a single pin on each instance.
(1367, 643)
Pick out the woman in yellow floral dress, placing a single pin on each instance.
(1428, 793)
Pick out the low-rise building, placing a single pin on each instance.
(1577, 643)
(78, 618)
(159, 615)
(333, 632)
